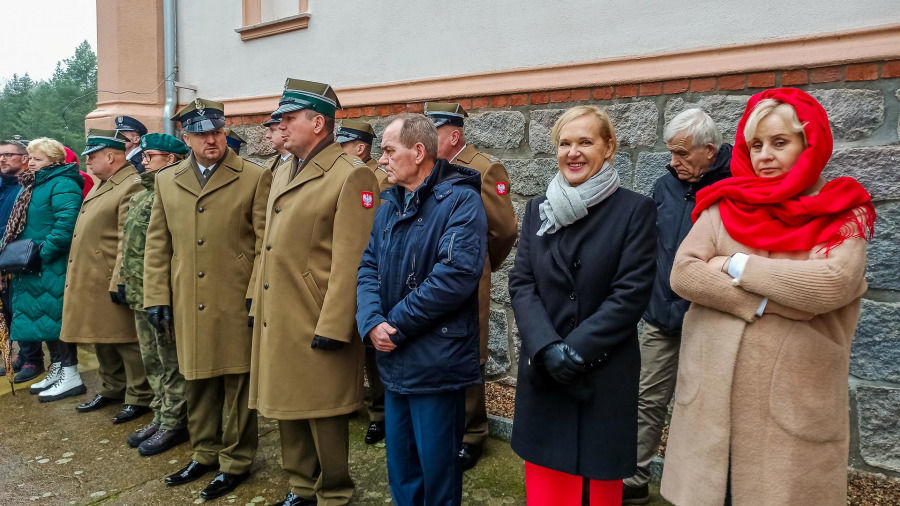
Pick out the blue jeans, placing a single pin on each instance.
(423, 434)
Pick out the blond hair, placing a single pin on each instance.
(771, 106)
(604, 124)
(51, 148)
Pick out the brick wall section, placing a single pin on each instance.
(731, 82)
(863, 104)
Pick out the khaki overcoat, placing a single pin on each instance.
(502, 227)
(201, 252)
(95, 261)
(767, 393)
(317, 226)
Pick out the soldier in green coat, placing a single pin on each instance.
(169, 426)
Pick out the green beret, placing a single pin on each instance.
(164, 142)
(299, 94)
(102, 139)
(443, 113)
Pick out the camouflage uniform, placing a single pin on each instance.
(157, 351)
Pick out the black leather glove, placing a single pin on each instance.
(561, 362)
(118, 297)
(249, 304)
(325, 344)
(160, 317)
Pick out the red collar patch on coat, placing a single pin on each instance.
(368, 199)
(502, 188)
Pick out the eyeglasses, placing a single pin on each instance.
(146, 157)
(9, 155)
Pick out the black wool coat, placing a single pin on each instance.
(588, 285)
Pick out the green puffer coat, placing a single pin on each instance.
(133, 240)
(37, 299)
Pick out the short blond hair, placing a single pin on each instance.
(51, 148)
(771, 106)
(600, 116)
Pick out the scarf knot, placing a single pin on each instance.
(567, 204)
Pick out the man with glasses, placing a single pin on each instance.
(13, 160)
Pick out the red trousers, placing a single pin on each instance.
(546, 487)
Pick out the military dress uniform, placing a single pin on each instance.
(202, 248)
(358, 130)
(502, 233)
(157, 348)
(95, 260)
(318, 221)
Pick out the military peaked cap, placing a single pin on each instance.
(274, 119)
(445, 113)
(129, 124)
(299, 94)
(355, 130)
(102, 139)
(201, 115)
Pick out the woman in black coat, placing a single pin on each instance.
(582, 278)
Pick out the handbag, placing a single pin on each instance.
(22, 256)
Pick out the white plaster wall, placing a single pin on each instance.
(360, 42)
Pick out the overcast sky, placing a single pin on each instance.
(35, 34)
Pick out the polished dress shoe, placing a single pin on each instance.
(222, 484)
(375, 433)
(130, 412)
(96, 403)
(189, 473)
(292, 499)
(162, 441)
(139, 436)
(468, 456)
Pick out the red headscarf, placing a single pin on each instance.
(770, 213)
(88, 182)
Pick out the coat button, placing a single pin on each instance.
(268, 247)
(265, 286)
(265, 324)
(277, 209)
(572, 295)
(200, 274)
(200, 242)
(201, 307)
(200, 209)
(577, 263)
(444, 330)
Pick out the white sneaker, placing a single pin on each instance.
(52, 375)
(68, 384)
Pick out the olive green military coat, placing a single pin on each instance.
(317, 226)
(94, 264)
(201, 252)
(502, 227)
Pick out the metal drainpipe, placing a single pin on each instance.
(169, 50)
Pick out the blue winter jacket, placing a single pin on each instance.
(420, 274)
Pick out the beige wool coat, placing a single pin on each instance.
(95, 260)
(201, 253)
(769, 392)
(316, 230)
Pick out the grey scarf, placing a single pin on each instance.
(566, 204)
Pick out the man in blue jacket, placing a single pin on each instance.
(699, 159)
(417, 301)
(29, 364)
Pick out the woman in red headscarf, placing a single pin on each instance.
(774, 267)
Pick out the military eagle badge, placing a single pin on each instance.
(368, 200)
(502, 188)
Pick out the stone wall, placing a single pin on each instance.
(863, 103)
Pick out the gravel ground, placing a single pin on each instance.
(864, 489)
